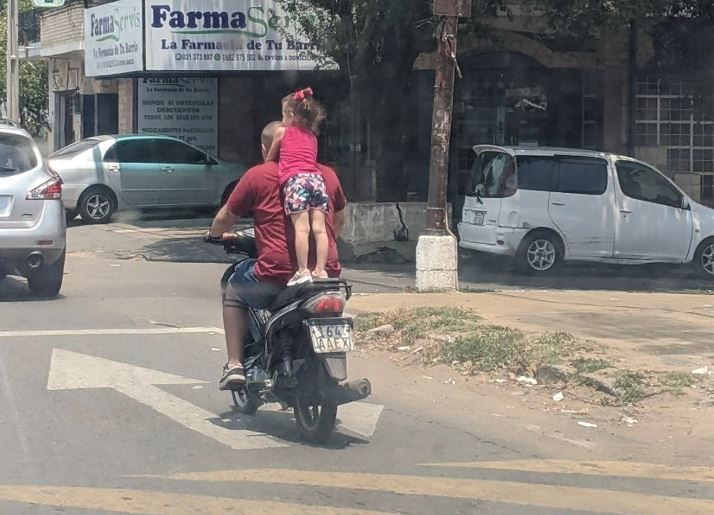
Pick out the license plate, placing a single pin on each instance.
(328, 336)
(476, 217)
(5, 205)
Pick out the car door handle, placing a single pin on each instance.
(558, 203)
(114, 168)
(167, 169)
(625, 212)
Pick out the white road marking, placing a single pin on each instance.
(109, 332)
(72, 371)
(360, 418)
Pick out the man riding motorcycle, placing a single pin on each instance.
(256, 283)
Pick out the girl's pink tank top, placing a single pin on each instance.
(298, 153)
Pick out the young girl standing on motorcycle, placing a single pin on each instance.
(301, 181)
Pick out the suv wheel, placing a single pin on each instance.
(47, 281)
(96, 206)
(540, 253)
(704, 259)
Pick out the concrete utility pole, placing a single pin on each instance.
(12, 84)
(437, 251)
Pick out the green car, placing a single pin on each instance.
(104, 174)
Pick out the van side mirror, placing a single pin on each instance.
(685, 204)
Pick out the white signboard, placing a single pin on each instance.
(113, 39)
(182, 108)
(185, 35)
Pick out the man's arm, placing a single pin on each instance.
(223, 223)
(240, 203)
(275, 147)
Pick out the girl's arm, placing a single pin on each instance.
(275, 147)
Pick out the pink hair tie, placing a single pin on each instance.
(303, 94)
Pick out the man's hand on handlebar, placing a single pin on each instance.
(226, 236)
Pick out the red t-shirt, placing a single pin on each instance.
(258, 195)
(298, 153)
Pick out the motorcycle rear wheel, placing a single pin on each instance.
(315, 421)
(244, 402)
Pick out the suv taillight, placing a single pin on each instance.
(332, 303)
(50, 190)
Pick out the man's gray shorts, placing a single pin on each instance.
(243, 290)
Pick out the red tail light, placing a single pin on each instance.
(50, 190)
(331, 303)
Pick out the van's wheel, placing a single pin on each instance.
(47, 281)
(244, 402)
(704, 259)
(97, 205)
(540, 253)
(315, 420)
(71, 214)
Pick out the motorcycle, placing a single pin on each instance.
(296, 351)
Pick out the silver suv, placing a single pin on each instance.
(32, 219)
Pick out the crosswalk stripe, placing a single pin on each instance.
(156, 502)
(593, 468)
(528, 494)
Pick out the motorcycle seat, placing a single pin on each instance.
(301, 292)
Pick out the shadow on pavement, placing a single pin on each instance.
(14, 289)
(486, 270)
(188, 249)
(281, 426)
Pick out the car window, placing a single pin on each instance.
(493, 175)
(177, 152)
(582, 175)
(133, 151)
(76, 148)
(643, 183)
(17, 154)
(535, 173)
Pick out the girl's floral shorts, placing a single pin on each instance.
(305, 191)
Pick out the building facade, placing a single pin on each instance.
(153, 68)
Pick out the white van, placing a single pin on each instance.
(546, 205)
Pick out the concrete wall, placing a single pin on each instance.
(370, 226)
(690, 183)
(125, 90)
(62, 30)
(656, 156)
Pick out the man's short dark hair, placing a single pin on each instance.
(268, 134)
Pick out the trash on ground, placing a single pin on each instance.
(404, 349)
(429, 378)
(527, 380)
(703, 371)
(587, 424)
(558, 397)
(629, 420)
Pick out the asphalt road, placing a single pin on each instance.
(109, 404)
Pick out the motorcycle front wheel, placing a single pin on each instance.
(315, 420)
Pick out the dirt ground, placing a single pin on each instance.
(647, 333)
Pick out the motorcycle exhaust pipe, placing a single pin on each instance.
(35, 261)
(353, 391)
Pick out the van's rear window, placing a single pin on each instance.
(17, 154)
(493, 175)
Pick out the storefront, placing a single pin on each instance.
(210, 72)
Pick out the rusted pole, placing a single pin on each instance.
(436, 214)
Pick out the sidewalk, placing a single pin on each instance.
(656, 331)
